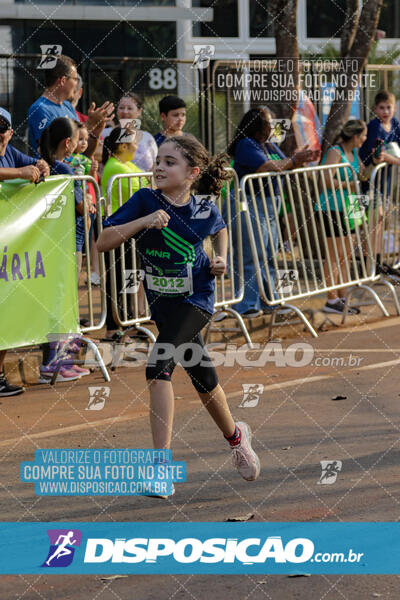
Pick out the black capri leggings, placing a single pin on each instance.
(180, 340)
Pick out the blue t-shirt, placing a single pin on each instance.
(13, 159)
(159, 137)
(41, 113)
(170, 254)
(250, 155)
(376, 131)
(60, 168)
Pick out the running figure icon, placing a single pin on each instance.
(62, 549)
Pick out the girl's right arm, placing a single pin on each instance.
(113, 236)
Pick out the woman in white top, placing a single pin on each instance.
(130, 106)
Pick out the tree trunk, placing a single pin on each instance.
(349, 27)
(351, 63)
(284, 17)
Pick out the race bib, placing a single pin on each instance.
(167, 285)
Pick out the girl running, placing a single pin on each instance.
(170, 225)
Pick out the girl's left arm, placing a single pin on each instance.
(220, 245)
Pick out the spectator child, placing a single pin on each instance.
(131, 107)
(345, 150)
(117, 159)
(82, 165)
(57, 143)
(385, 127)
(173, 115)
(382, 130)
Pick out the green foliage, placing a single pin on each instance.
(328, 52)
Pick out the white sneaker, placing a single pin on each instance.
(95, 279)
(220, 317)
(243, 456)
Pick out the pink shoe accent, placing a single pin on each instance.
(79, 371)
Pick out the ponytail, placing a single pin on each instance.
(212, 172)
(349, 129)
(110, 144)
(60, 129)
(212, 179)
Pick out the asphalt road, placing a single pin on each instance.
(296, 424)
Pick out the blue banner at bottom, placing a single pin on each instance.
(209, 548)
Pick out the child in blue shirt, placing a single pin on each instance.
(383, 127)
(57, 143)
(173, 115)
(169, 226)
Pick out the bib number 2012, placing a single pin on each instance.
(168, 282)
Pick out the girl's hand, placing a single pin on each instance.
(381, 158)
(93, 168)
(43, 167)
(157, 220)
(352, 186)
(217, 265)
(304, 155)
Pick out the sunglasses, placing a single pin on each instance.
(4, 127)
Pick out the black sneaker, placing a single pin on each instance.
(352, 310)
(336, 307)
(251, 313)
(388, 270)
(6, 389)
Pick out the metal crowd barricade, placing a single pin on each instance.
(125, 305)
(228, 291)
(384, 223)
(87, 309)
(303, 266)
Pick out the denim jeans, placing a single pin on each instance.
(251, 299)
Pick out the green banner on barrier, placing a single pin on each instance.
(38, 286)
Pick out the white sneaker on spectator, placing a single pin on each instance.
(220, 317)
(243, 456)
(95, 279)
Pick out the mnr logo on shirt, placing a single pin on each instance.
(179, 245)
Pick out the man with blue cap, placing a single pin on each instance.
(13, 163)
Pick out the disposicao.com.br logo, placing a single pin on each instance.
(188, 553)
(248, 551)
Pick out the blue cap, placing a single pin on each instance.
(5, 115)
